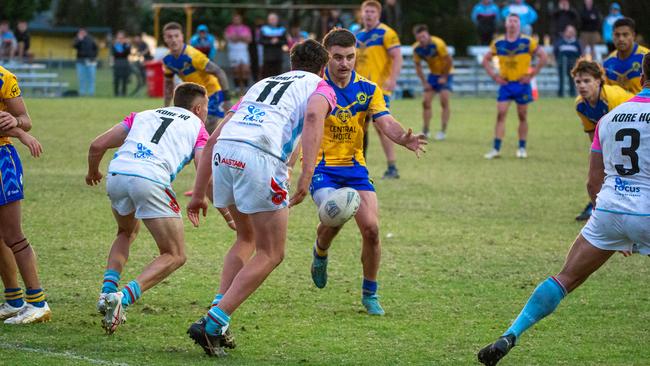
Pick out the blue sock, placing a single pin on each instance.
(369, 287)
(497, 144)
(131, 293)
(216, 300)
(217, 319)
(35, 297)
(522, 144)
(111, 281)
(542, 302)
(318, 252)
(14, 297)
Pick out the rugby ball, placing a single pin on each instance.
(339, 207)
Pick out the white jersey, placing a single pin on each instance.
(159, 144)
(270, 115)
(623, 137)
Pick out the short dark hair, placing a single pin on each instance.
(339, 37)
(593, 68)
(309, 56)
(185, 94)
(172, 26)
(625, 22)
(418, 28)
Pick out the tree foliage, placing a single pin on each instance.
(14, 10)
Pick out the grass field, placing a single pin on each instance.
(465, 241)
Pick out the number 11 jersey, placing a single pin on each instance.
(160, 142)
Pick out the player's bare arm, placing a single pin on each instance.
(215, 70)
(168, 89)
(394, 130)
(542, 58)
(446, 70)
(110, 139)
(420, 73)
(395, 54)
(15, 116)
(596, 175)
(487, 65)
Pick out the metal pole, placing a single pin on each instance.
(188, 22)
(156, 23)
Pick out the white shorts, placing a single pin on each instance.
(238, 54)
(610, 231)
(148, 199)
(249, 178)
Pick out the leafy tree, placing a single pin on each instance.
(14, 10)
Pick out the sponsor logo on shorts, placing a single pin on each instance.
(217, 159)
(623, 187)
(278, 194)
(231, 163)
(12, 192)
(143, 152)
(254, 114)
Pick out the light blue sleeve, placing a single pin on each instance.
(475, 11)
(532, 15)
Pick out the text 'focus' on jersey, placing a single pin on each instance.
(270, 116)
(160, 142)
(623, 138)
(8, 90)
(514, 57)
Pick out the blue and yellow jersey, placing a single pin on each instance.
(342, 143)
(625, 73)
(9, 89)
(514, 57)
(190, 66)
(434, 54)
(373, 60)
(610, 97)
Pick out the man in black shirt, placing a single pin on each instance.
(86, 62)
(120, 51)
(273, 37)
(22, 38)
(590, 20)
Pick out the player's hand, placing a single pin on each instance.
(413, 142)
(442, 80)
(32, 144)
(500, 80)
(626, 253)
(93, 178)
(301, 191)
(195, 206)
(427, 87)
(525, 79)
(7, 121)
(226, 216)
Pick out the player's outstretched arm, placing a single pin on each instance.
(596, 175)
(110, 139)
(168, 90)
(393, 129)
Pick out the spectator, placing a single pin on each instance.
(590, 19)
(203, 41)
(297, 35)
(7, 41)
(273, 37)
(142, 54)
(567, 50)
(239, 36)
(22, 39)
(356, 26)
(608, 25)
(86, 62)
(391, 15)
(563, 16)
(527, 14)
(485, 16)
(120, 52)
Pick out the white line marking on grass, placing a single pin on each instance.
(66, 354)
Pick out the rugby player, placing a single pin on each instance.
(380, 61)
(15, 251)
(250, 149)
(619, 187)
(594, 101)
(623, 66)
(154, 146)
(514, 51)
(341, 162)
(433, 51)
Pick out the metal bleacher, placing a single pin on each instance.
(33, 82)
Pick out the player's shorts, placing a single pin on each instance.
(249, 178)
(238, 54)
(11, 175)
(215, 105)
(341, 176)
(514, 90)
(149, 200)
(610, 231)
(438, 87)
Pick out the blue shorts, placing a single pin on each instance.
(514, 90)
(215, 105)
(438, 87)
(11, 175)
(336, 177)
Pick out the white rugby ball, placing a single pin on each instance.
(339, 207)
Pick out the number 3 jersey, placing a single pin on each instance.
(160, 142)
(270, 116)
(623, 137)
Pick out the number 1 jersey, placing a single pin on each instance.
(160, 142)
(270, 116)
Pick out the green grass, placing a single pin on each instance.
(470, 239)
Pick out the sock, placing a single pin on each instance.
(216, 300)
(522, 144)
(392, 166)
(369, 287)
(14, 297)
(425, 130)
(131, 293)
(217, 320)
(542, 302)
(111, 281)
(318, 252)
(35, 297)
(497, 144)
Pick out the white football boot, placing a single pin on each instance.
(31, 314)
(493, 154)
(114, 312)
(101, 303)
(441, 136)
(7, 311)
(521, 153)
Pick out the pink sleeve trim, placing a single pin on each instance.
(595, 145)
(639, 99)
(202, 138)
(128, 121)
(326, 91)
(235, 107)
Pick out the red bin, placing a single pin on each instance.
(155, 78)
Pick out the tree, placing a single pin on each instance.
(14, 10)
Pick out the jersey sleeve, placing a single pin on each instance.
(127, 122)
(595, 145)
(235, 107)
(199, 60)
(391, 40)
(416, 57)
(586, 123)
(202, 138)
(326, 91)
(377, 107)
(441, 46)
(166, 71)
(10, 88)
(533, 45)
(493, 47)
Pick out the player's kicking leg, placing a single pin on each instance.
(583, 260)
(368, 222)
(522, 113)
(445, 112)
(427, 98)
(499, 130)
(14, 301)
